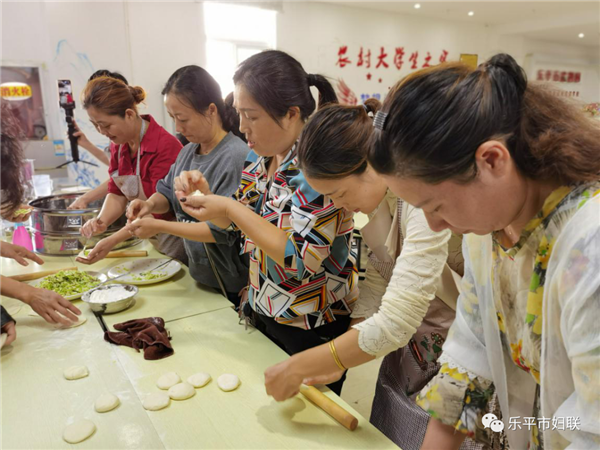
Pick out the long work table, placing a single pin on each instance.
(37, 402)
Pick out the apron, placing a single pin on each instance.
(132, 188)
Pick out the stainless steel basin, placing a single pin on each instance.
(55, 229)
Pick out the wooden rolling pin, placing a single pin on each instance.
(36, 275)
(126, 254)
(329, 406)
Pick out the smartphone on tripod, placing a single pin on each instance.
(66, 102)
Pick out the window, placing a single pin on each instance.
(233, 34)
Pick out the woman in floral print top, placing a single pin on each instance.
(517, 170)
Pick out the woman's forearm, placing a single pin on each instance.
(199, 231)
(14, 289)
(268, 237)
(97, 193)
(159, 203)
(114, 206)
(97, 152)
(319, 360)
(441, 437)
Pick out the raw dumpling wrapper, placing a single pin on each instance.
(106, 402)
(167, 380)
(199, 379)
(228, 382)
(79, 431)
(156, 401)
(182, 391)
(76, 372)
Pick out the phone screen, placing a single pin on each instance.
(65, 94)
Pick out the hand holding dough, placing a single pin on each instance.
(167, 380)
(106, 402)
(156, 401)
(228, 382)
(182, 391)
(199, 379)
(79, 431)
(76, 372)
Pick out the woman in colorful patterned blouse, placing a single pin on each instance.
(303, 279)
(516, 169)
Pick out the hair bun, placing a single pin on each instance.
(138, 93)
(372, 105)
(508, 65)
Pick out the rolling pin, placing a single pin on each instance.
(36, 275)
(329, 406)
(126, 254)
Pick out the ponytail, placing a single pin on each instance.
(278, 82)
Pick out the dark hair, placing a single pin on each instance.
(197, 88)
(112, 96)
(438, 117)
(334, 143)
(11, 178)
(278, 82)
(109, 74)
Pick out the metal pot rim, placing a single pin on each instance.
(65, 210)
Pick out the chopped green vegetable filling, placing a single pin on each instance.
(69, 282)
(147, 276)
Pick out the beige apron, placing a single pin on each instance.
(132, 188)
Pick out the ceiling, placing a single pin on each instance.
(553, 21)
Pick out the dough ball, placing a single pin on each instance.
(199, 379)
(167, 380)
(156, 401)
(3, 338)
(197, 193)
(181, 391)
(228, 382)
(80, 321)
(76, 372)
(106, 402)
(79, 431)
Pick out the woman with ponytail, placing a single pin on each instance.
(303, 279)
(142, 153)
(407, 298)
(194, 101)
(516, 169)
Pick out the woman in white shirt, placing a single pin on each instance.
(407, 299)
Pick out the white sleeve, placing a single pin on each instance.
(411, 289)
(571, 362)
(371, 291)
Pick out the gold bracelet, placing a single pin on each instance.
(335, 355)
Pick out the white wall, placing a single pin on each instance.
(313, 33)
(147, 41)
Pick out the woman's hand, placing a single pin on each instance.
(81, 137)
(138, 209)
(325, 379)
(21, 214)
(190, 181)
(207, 207)
(145, 228)
(19, 254)
(10, 330)
(80, 203)
(283, 380)
(52, 307)
(93, 227)
(98, 253)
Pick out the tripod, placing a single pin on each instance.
(73, 139)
